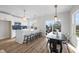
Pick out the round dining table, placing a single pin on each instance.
(55, 39)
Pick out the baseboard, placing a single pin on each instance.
(5, 39)
(72, 44)
(13, 37)
(71, 48)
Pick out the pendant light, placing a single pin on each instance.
(56, 17)
(24, 17)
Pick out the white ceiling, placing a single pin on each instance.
(34, 10)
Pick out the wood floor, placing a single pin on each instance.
(35, 46)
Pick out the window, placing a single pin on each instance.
(49, 24)
(57, 25)
(77, 24)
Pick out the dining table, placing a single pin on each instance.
(54, 39)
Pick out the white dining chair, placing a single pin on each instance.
(67, 40)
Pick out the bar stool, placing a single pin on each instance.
(32, 37)
(25, 38)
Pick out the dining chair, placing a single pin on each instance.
(54, 43)
(48, 45)
(68, 37)
(67, 40)
(52, 46)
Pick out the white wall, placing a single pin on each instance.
(5, 29)
(13, 32)
(65, 22)
(41, 23)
